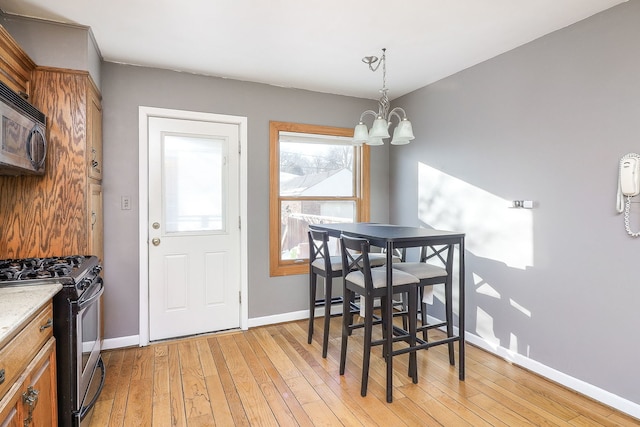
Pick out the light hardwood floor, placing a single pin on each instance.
(270, 376)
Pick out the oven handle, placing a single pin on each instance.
(83, 411)
(82, 303)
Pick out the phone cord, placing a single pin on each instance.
(627, 208)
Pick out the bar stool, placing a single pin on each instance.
(429, 275)
(370, 283)
(322, 264)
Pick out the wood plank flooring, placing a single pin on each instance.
(270, 376)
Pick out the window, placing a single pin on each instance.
(317, 176)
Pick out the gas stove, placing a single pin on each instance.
(76, 271)
(77, 326)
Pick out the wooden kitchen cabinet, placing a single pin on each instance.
(60, 213)
(15, 65)
(29, 391)
(94, 135)
(96, 220)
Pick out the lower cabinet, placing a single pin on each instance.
(31, 401)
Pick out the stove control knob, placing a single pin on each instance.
(84, 284)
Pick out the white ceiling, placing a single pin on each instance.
(313, 44)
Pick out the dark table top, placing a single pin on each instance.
(399, 235)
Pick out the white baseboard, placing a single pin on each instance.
(120, 342)
(572, 383)
(584, 388)
(281, 318)
(291, 317)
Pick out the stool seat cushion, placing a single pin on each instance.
(379, 278)
(336, 263)
(377, 259)
(421, 270)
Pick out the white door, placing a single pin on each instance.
(194, 236)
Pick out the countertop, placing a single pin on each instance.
(19, 303)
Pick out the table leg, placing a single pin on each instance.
(461, 305)
(389, 321)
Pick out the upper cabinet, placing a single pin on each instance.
(59, 213)
(15, 65)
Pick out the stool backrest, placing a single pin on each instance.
(319, 247)
(355, 257)
(444, 253)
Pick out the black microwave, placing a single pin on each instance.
(23, 143)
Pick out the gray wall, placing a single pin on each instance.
(124, 89)
(546, 122)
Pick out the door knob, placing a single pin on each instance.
(155, 241)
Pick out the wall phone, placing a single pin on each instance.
(628, 186)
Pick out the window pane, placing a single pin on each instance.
(194, 184)
(298, 215)
(315, 166)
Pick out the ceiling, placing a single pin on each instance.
(313, 44)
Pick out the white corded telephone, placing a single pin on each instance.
(628, 186)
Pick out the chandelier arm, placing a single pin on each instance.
(395, 112)
(374, 69)
(368, 112)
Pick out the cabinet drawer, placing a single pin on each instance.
(15, 356)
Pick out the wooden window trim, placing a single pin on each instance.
(286, 268)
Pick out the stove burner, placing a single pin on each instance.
(39, 268)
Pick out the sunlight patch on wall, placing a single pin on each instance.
(493, 230)
(513, 347)
(513, 343)
(520, 308)
(484, 328)
(484, 288)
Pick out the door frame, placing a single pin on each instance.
(144, 113)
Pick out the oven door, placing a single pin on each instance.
(89, 344)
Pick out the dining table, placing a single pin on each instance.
(390, 237)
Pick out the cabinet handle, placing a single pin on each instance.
(94, 162)
(47, 325)
(30, 398)
(2, 376)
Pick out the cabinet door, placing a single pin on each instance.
(44, 410)
(9, 417)
(95, 220)
(94, 136)
(32, 400)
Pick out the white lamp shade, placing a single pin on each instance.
(396, 140)
(375, 141)
(405, 130)
(360, 134)
(380, 129)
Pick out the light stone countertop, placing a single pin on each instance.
(19, 303)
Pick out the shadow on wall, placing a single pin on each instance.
(499, 253)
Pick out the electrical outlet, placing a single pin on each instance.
(125, 203)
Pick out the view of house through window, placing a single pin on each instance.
(316, 177)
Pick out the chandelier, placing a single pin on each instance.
(403, 132)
